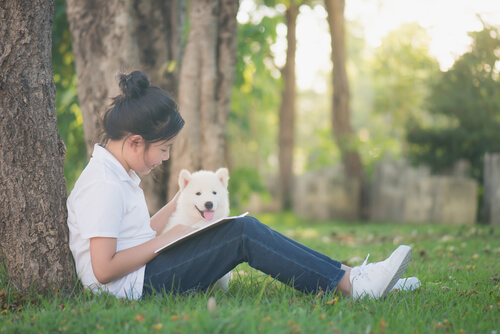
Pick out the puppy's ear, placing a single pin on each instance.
(184, 178)
(223, 176)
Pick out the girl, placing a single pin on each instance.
(113, 238)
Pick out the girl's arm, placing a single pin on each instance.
(109, 265)
(160, 219)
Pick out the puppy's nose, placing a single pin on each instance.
(209, 205)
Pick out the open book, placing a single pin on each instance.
(198, 231)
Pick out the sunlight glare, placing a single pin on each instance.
(447, 21)
(313, 48)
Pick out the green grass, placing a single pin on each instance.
(459, 268)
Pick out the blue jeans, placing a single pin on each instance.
(202, 260)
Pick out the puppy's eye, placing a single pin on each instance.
(198, 194)
(214, 192)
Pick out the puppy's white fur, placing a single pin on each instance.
(204, 198)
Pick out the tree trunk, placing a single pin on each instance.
(287, 110)
(342, 129)
(206, 80)
(111, 36)
(159, 26)
(33, 229)
(103, 45)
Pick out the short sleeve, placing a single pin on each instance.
(99, 209)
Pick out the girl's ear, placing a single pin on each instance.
(184, 178)
(223, 176)
(134, 141)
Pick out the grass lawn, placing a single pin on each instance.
(459, 268)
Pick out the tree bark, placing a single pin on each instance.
(103, 45)
(206, 80)
(159, 26)
(33, 229)
(287, 110)
(342, 129)
(111, 36)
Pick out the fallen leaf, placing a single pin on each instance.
(471, 292)
(294, 328)
(320, 293)
(422, 254)
(447, 238)
(140, 317)
(332, 301)
(211, 305)
(158, 327)
(382, 324)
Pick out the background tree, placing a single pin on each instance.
(206, 80)
(341, 119)
(253, 120)
(287, 110)
(113, 36)
(465, 108)
(159, 26)
(33, 231)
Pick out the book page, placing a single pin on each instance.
(200, 230)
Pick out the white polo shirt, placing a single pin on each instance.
(108, 202)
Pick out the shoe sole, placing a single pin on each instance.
(400, 270)
(410, 284)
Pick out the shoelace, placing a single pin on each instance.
(364, 268)
(364, 262)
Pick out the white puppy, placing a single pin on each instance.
(204, 198)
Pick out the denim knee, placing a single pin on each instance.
(248, 221)
(249, 225)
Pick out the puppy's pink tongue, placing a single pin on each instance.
(208, 215)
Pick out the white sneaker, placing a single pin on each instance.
(407, 284)
(376, 280)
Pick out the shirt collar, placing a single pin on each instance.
(109, 159)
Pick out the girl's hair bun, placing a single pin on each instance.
(134, 84)
(142, 109)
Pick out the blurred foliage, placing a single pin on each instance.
(253, 120)
(465, 104)
(69, 116)
(400, 102)
(390, 87)
(315, 145)
(402, 70)
(244, 183)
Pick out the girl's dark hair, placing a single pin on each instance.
(142, 110)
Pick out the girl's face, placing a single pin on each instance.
(151, 157)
